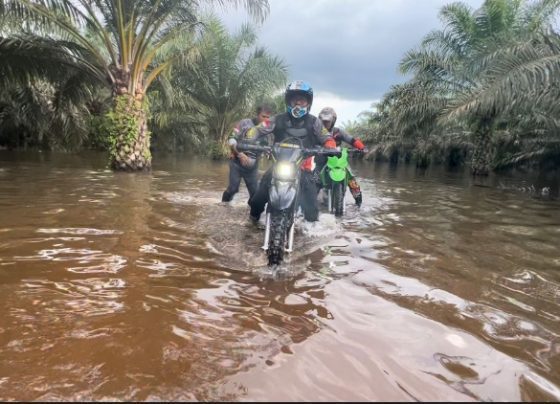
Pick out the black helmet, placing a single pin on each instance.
(298, 87)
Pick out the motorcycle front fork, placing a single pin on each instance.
(266, 232)
(267, 235)
(291, 238)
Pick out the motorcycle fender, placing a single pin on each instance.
(282, 194)
(337, 174)
(338, 162)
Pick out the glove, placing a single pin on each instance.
(358, 144)
(329, 144)
(243, 159)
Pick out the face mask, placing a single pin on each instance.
(298, 111)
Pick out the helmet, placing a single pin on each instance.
(328, 114)
(298, 87)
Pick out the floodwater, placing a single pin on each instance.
(145, 287)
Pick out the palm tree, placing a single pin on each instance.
(520, 84)
(454, 61)
(44, 92)
(129, 44)
(229, 74)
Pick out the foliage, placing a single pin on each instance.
(221, 88)
(489, 76)
(124, 43)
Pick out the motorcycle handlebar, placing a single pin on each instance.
(315, 151)
(358, 151)
(252, 147)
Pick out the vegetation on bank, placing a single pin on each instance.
(128, 77)
(58, 54)
(483, 91)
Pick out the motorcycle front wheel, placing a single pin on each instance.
(338, 198)
(279, 225)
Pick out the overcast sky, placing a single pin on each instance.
(347, 50)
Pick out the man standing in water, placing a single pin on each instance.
(245, 164)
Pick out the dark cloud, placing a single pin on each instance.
(350, 48)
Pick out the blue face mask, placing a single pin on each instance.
(297, 111)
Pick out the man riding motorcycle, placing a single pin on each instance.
(296, 123)
(328, 118)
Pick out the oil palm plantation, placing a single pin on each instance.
(465, 63)
(44, 93)
(230, 73)
(129, 44)
(519, 87)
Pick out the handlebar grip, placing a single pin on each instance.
(251, 147)
(322, 152)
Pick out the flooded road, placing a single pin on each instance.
(145, 287)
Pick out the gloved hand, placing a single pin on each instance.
(329, 144)
(243, 159)
(358, 144)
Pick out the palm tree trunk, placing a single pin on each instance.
(482, 154)
(219, 148)
(130, 138)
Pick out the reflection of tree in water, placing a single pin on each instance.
(131, 211)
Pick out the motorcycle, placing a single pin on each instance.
(334, 178)
(284, 192)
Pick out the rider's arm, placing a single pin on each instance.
(240, 133)
(355, 142)
(232, 139)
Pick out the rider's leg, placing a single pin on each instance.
(309, 197)
(260, 198)
(251, 180)
(320, 163)
(354, 186)
(234, 181)
(325, 186)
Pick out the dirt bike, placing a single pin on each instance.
(284, 192)
(334, 178)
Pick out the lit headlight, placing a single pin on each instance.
(285, 171)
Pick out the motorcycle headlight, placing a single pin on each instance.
(285, 171)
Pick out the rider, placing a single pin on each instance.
(244, 164)
(299, 123)
(328, 117)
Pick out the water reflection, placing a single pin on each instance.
(146, 287)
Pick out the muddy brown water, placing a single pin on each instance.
(145, 287)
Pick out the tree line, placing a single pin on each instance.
(483, 91)
(130, 76)
(121, 74)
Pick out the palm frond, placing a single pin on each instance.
(522, 75)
